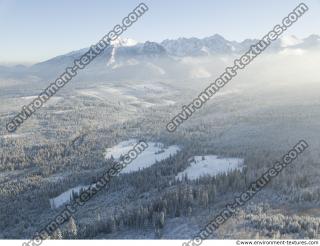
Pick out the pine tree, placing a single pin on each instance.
(72, 228)
(161, 219)
(57, 234)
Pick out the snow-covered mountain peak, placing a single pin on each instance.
(124, 42)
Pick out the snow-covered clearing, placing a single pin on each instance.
(14, 135)
(53, 100)
(155, 152)
(66, 196)
(210, 165)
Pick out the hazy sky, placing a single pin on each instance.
(36, 30)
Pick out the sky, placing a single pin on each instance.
(37, 30)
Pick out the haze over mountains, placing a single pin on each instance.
(128, 52)
(176, 62)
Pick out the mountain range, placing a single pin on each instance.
(129, 59)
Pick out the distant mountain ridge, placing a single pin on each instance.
(182, 47)
(128, 59)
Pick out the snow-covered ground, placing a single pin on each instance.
(13, 135)
(154, 152)
(140, 94)
(66, 196)
(63, 111)
(168, 102)
(53, 100)
(210, 165)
